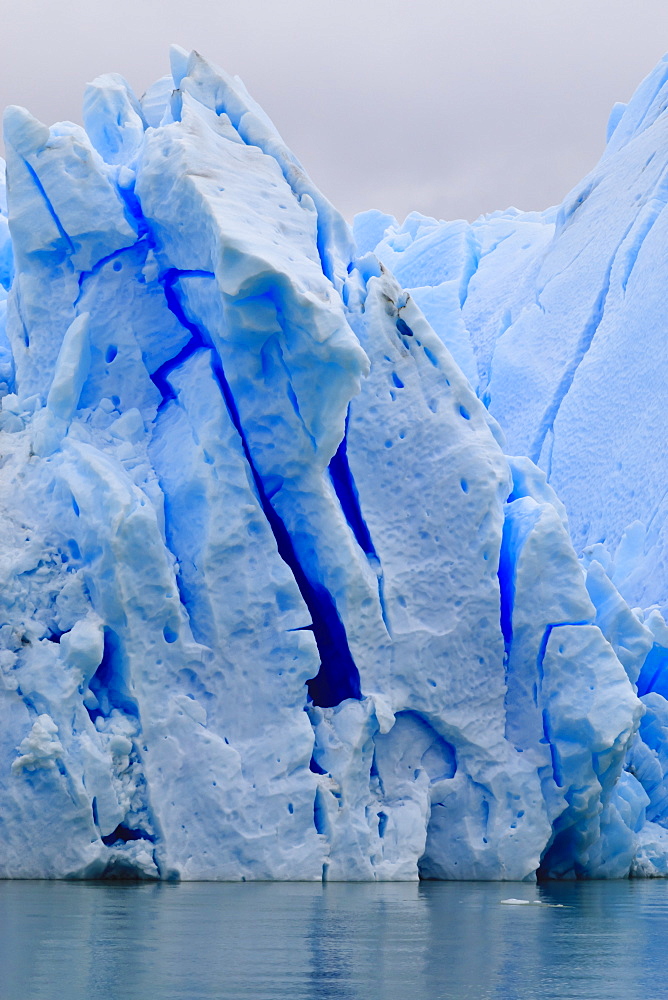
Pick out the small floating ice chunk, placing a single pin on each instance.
(530, 902)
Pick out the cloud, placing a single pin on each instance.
(452, 108)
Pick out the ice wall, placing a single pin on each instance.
(559, 321)
(275, 603)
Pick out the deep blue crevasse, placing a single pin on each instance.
(346, 491)
(338, 677)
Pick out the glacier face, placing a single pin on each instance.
(558, 320)
(276, 602)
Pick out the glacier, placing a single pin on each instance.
(326, 553)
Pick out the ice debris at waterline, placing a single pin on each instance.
(276, 604)
(530, 902)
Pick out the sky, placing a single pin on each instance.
(447, 107)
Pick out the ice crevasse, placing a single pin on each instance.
(287, 591)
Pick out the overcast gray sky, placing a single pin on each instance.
(452, 108)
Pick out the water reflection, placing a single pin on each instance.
(263, 941)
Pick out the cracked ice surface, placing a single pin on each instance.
(558, 318)
(275, 603)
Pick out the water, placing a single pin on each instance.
(272, 941)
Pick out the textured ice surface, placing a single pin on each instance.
(559, 320)
(275, 602)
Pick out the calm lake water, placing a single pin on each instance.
(272, 941)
